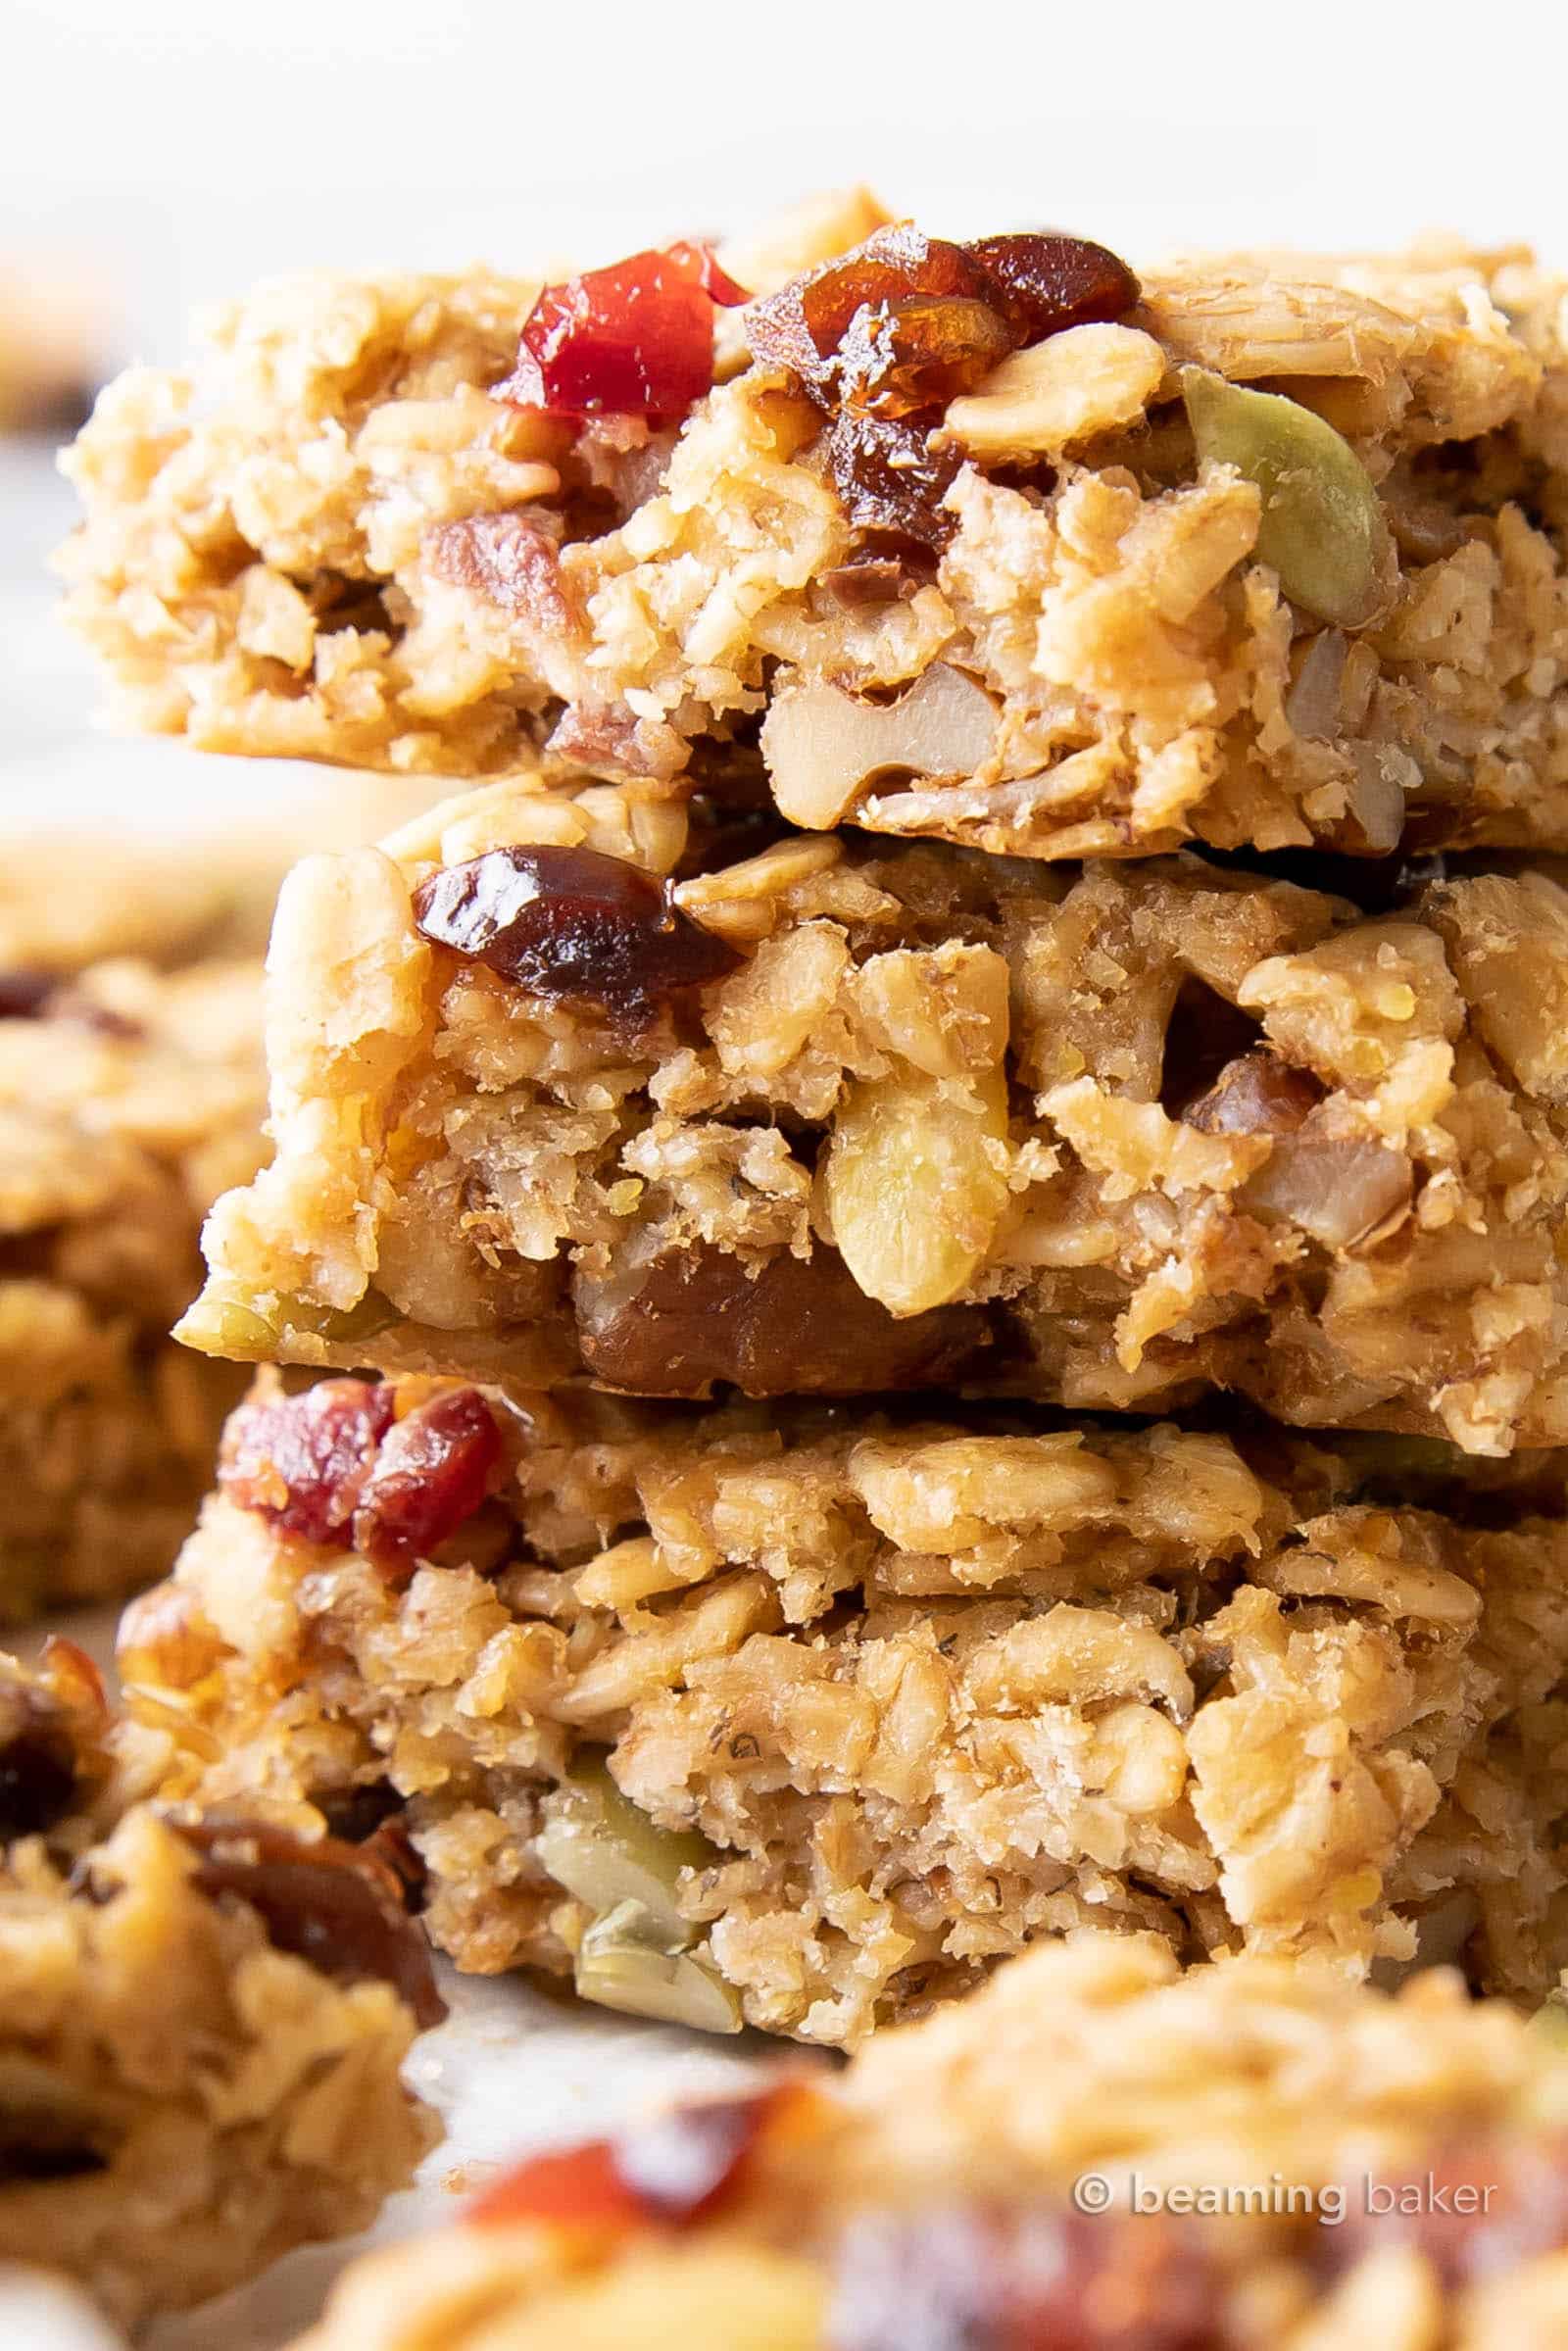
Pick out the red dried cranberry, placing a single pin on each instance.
(891, 481)
(302, 1461)
(674, 2169)
(635, 339)
(1042, 282)
(431, 1473)
(968, 2278)
(570, 924)
(332, 1904)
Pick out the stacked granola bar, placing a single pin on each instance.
(821, 1004)
(943, 1178)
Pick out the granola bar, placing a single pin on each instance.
(1284, 2135)
(129, 1099)
(201, 2021)
(806, 1717)
(849, 1116)
(998, 544)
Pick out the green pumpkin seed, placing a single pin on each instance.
(627, 1963)
(603, 1849)
(1322, 527)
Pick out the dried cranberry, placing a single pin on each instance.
(674, 2169)
(890, 480)
(635, 339)
(332, 1904)
(431, 1473)
(25, 993)
(302, 1461)
(570, 924)
(1044, 281)
(969, 2278)
(800, 1326)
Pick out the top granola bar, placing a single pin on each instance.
(988, 542)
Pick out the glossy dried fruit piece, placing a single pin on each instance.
(802, 1326)
(433, 1472)
(635, 339)
(1042, 282)
(890, 480)
(570, 924)
(1257, 1093)
(24, 994)
(38, 1762)
(1322, 528)
(332, 1904)
(302, 1461)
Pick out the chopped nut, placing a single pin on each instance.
(1088, 380)
(603, 1849)
(824, 748)
(626, 1963)
(914, 1183)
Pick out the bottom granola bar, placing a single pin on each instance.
(806, 1717)
(202, 2021)
(1092, 2155)
(128, 1098)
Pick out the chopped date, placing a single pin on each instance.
(25, 993)
(332, 1904)
(973, 2279)
(1043, 282)
(1255, 1095)
(891, 479)
(697, 1318)
(570, 924)
(635, 339)
(302, 1461)
(38, 1762)
(803, 326)
(431, 1473)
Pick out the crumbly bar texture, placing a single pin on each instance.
(926, 2195)
(183, 2096)
(1109, 1136)
(332, 540)
(129, 1099)
(890, 1699)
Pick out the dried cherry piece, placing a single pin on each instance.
(889, 478)
(570, 924)
(431, 1473)
(673, 2169)
(1042, 282)
(38, 1759)
(635, 339)
(302, 1461)
(697, 1317)
(508, 561)
(972, 2279)
(920, 352)
(25, 993)
(332, 1904)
